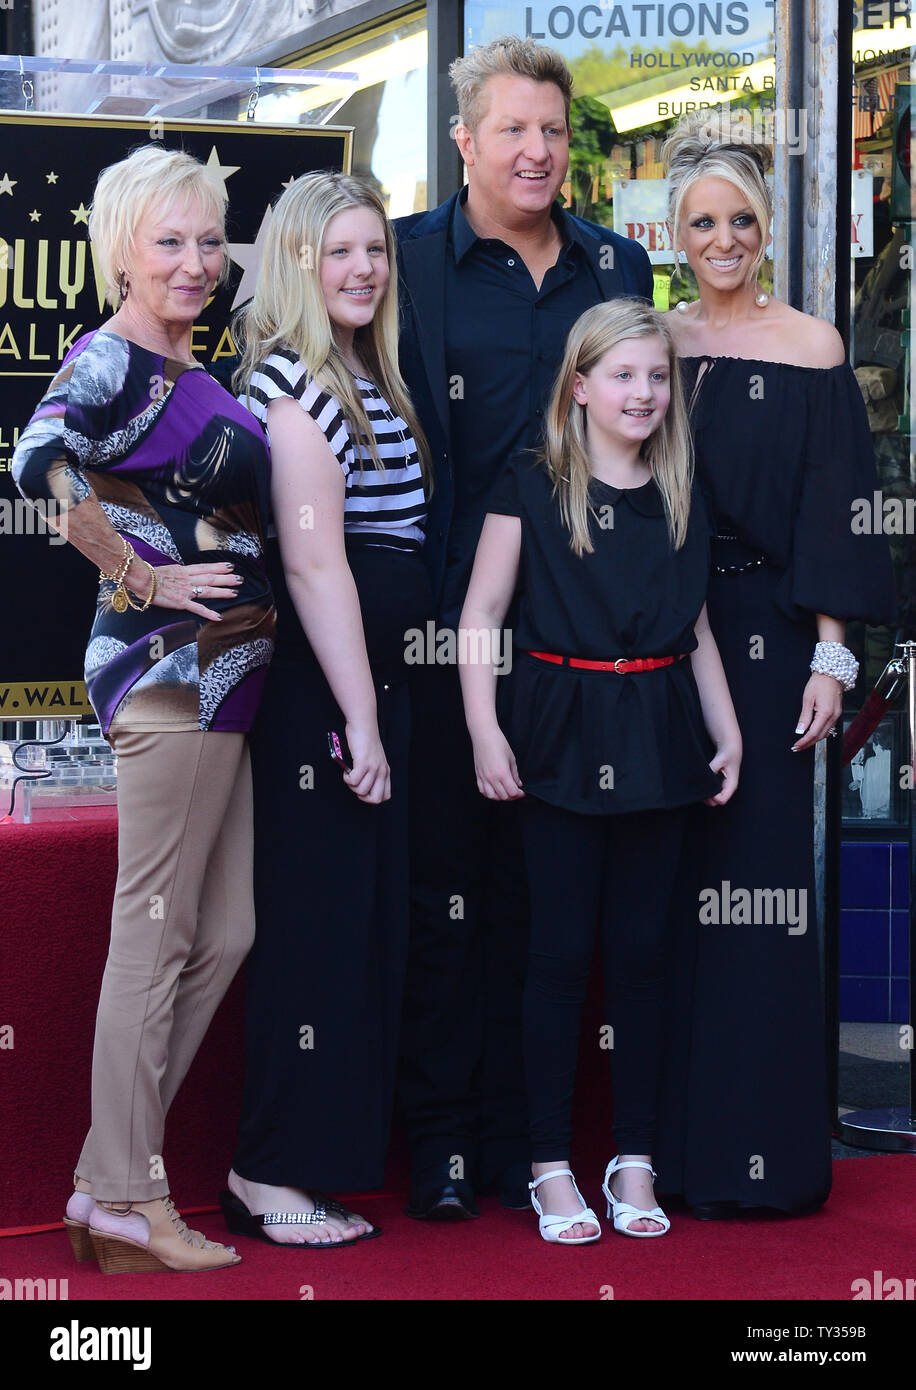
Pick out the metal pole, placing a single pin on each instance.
(910, 648)
(893, 1129)
(445, 41)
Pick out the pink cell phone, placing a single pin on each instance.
(336, 752)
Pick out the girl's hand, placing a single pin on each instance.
(822, 705)
(728, 762)
(494, 764)
(175, 585)
(370, 778)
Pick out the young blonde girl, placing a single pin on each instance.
(615, 676)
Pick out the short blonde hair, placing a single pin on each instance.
(507, 55)
(150, 176)
(703, 145)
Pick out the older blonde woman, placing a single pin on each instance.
(157, 470)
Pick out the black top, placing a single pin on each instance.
(784, 452)
(618, 267)
(504, 341)
(595, 741)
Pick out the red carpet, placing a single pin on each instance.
(869, 1224)
(56, 881)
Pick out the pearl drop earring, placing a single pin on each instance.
(682, 305)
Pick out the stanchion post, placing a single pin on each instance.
(910, 650)
(893, 1130)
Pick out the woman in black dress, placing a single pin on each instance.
(783, 449)
(325, 976)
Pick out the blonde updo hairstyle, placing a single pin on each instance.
(288, 311)
(707, 144)
(150, 177)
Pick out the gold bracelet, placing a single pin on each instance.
(119, 597)
(142, 607)
(127, 554)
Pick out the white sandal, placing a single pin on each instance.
(625, 1212)
(552, 1227)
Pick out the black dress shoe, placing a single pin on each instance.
(436, 1196)
(513, 1188)
(716, 1211)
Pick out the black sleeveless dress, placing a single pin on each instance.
(783, 452)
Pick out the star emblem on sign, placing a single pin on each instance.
(222, 171)
(80, 214)
(248, 255)
(7, 184)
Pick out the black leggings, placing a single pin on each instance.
(582, 870)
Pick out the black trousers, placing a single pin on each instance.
(585, 871)
(461, 1075)
(325, 978)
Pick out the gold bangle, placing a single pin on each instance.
(119, 597)
(142, 607)
(127, 554)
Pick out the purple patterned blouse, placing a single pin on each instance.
(182, 470)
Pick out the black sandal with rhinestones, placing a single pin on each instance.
(241, 1222)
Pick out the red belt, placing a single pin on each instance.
(622, 665)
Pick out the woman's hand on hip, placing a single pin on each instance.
(822, 705)
(370, 778)
(183, 586)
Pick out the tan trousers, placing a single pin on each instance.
(182, 923)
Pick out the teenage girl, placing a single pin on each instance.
(325, 978)
(615, 674)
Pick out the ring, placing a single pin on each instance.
(832, 733)
(196, 591)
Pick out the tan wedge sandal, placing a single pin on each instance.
(141, 1237)
(76, 1219)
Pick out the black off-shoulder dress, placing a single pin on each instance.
(784, 452)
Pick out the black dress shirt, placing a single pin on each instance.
(504, 343)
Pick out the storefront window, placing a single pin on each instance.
(637, 69)
(386, 105)
(882, 277)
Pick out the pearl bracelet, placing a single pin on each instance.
(833, 659)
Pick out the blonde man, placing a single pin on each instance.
(491, 282)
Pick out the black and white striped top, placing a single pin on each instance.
(384, 508)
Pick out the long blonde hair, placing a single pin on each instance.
(669, 449)
(288, 309)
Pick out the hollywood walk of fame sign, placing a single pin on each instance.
(51, 294)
